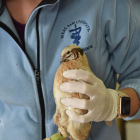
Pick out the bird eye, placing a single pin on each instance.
(68, 52)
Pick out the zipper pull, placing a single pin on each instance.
(37, 76)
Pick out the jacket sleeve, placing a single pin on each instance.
(121, 28)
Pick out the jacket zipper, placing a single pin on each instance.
(41, 100)
(38, 80)
(36, 71)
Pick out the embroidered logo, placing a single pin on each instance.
(76, 35)
(75, 30)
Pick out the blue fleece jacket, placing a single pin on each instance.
(107, 30)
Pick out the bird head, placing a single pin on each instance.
(71, 52)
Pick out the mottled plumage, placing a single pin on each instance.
(72, 57)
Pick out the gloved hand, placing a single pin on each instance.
(102, 105)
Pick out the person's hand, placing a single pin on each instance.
(102, 105)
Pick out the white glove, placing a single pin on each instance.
(102, 105)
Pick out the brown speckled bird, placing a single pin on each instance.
(72, 57)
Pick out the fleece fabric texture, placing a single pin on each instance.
(107, 30)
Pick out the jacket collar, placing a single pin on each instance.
(43, 2)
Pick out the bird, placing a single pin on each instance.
(72, 57)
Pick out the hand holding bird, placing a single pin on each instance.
(80, 96)
(102, 105)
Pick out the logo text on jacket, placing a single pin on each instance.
(74, 28)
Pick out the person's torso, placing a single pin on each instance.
(46, 35)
